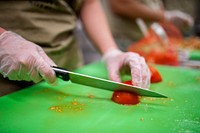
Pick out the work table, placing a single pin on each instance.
(70, 107)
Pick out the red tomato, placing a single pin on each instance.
(125, 97)
(163, 57)
(155, 75)
(128, 82)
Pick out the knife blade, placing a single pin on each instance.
(101, 83)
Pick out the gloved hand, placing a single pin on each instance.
(23, 60)
(116, 60)
(179, 18)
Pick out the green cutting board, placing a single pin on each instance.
(73, 108)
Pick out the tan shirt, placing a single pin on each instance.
(49, 24)
(186, 6)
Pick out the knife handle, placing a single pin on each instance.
(61, 73)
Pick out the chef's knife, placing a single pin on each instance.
(102, 83)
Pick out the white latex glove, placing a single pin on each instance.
(116, 60)
(179, 18)
(23, 60)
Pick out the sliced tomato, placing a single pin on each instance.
(128, 82)
(125, 98)
(155, 75)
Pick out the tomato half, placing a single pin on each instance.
(125, 97)
(155, 75)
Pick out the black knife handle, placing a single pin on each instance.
(61, 73)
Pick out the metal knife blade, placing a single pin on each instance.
(102, 83)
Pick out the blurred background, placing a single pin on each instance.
(165, 32)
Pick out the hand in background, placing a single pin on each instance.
(180, 19)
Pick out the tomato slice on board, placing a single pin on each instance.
(125, 97)
(155, 75)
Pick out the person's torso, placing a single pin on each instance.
(43, 22)
(122, 26)
(49, 24)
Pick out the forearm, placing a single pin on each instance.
(134, 9)
(96, 26)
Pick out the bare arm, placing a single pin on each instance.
(133, 9)
(96, 25)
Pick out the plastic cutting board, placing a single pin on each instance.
(73, 108)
